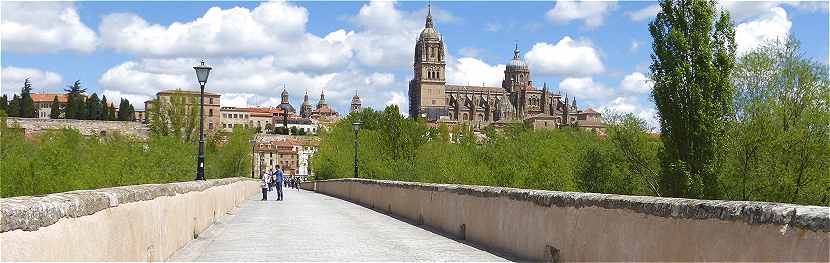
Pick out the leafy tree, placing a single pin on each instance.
(4, 102)
(694, 53)
(27, 105)
(171, 117)
(780, 143)
(93, 108)
(105, 108)
(75, 104)
(14, 107)
(123, 109)
(55, 111)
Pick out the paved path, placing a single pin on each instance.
(313, 227)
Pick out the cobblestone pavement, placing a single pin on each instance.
(313, 227)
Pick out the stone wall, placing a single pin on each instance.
(86, 127)
(568, 226)
(129, 223)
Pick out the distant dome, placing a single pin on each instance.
(355, 99)
(517, 63)
(430, 33)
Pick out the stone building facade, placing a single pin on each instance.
(518, 99)
(191, 99)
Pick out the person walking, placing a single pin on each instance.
(264, 184)
(279, 182)
(273, 181)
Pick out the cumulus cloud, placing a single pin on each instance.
(773, 25)
(634, 105)
(474, 71)
(585, 88)
(245, 81)
(636, 83)
(645, 13)
(44, 27)
(592, 13)
(268, 27)
(567, 57)
(13, 78)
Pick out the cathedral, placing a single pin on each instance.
(517, 100)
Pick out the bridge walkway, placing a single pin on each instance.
(308, 226)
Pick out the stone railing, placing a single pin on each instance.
(568, 226)
(128, 223)
(85, 127)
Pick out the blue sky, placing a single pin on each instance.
(597, 51)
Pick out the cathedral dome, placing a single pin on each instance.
(517, 63)
(429, 31)
(355, 99)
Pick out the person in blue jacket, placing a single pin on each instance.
(279, 178)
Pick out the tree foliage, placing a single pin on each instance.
(65, 160)
(694, 53)
(75, 101)
(55, 109)
(780, 143)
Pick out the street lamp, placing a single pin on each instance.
(202, 72)
(356, 127)
(253, 145)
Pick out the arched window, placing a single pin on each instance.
(464, 116)
(210, 113)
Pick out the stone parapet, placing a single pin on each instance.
(127, 223)
(571, 226)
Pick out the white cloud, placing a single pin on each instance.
(773, 25)
(636, 83)
(567, 57)
(13, 78)
(474, 71)
(593, 13)
(629, 104)
(645, 13)
(270, 26)
(44, 27)
(585, 88)
(245, 81)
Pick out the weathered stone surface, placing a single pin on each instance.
(815, 218)
(85, 127)
(29, 213)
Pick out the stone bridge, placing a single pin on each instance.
(370, 220)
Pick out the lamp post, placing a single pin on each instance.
(202, 72)
(253, 146)
(356, 127)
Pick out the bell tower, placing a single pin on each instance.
(427, 96)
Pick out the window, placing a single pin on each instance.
(210, 113)
(211, 101)
(210, 125)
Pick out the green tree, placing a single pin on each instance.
(171, 117)
(123, 109)
(105, 109)
(55, 111)
(14, 107)
(780, 143)
(694, 53)
(93, 108)
(27, 105)
(75, 104)
(4, 102)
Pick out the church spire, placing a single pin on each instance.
(516, 51)
(429, 16)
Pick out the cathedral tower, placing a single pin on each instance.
(427, 87)
(355, 103)
(305, 110)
